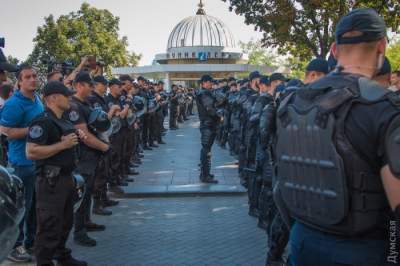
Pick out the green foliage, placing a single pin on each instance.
(259, 55)
(305, 29)
(393, 53)
(89, 31)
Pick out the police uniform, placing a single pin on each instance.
(173, 110)
(128, 135)
(255, 153)
(208, 128)
(117, 142)
(334, 136)
(247, 99)
(102, 174)
(55, 187)
(79, 113)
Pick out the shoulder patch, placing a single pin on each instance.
(73, 116)
(110, 104)
(35, 132)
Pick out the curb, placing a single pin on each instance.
(161, 191)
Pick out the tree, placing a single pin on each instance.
(305, 28)
(89, 31)
(393, 54)
(259, 55)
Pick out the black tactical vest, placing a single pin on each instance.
(323, 180)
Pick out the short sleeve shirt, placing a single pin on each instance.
(47, 129)
(18, 112)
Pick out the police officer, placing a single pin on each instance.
(91, 150)
(383, 77)
(52, 143)
(255, 153)
(117, 138)
(102, 174)
(316, 69)
(232, 123)
(248, 97)
(209, 120)
(159, 114)
(173, 108)
(344, 193)
(129, 137)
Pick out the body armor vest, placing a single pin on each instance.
(323, 180)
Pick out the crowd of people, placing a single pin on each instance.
(318, 156)
(72, 142)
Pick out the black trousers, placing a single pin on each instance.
(146, 129)
(173, 116)
(101, 177)
(207, 139)
(127, 146)
(54, 209)
(117, 144)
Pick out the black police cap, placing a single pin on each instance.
(230, 79)
(83, 77)
(56, 87)
(265, 80)
(254, 75)
(319, 65)
(294, 83)
(386, 68)
(364, 20)
(114, 81)
(277, 76)
(206, 78)
(100, 79)
(126, 78)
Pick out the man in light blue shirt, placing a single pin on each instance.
(18, 111)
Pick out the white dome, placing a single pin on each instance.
(201, 30)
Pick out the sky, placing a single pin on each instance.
(146, 34)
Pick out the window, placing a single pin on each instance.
(186, 55)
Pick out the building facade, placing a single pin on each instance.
(198, 45)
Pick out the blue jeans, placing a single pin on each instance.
(309, 247)
(27, 227)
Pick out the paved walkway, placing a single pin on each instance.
(213, 230)
(173, 168)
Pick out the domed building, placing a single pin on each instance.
(198, 45)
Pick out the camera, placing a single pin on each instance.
(65, 67)
(2, 42)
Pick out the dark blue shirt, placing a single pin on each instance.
(18, 112)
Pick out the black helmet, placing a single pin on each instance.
(138, 103)
(80, 190)
(11, 210)
(98, 120)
